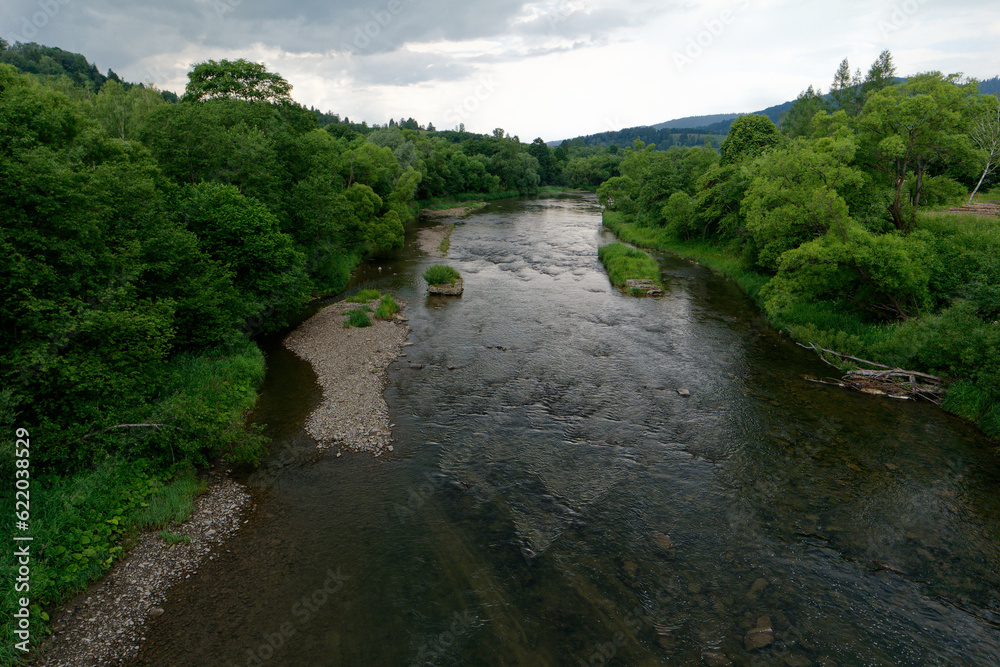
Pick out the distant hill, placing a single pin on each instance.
(695, 121)
(53, 62)
(990, 86)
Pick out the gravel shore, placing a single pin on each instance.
(351, 367)
(105, 625)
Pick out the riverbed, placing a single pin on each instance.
(552, 499)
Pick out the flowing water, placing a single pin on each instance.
(552, 499)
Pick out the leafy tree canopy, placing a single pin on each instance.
(236, 79)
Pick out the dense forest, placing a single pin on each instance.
(837, 222)
(148, 241)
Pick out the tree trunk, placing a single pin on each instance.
(985, 171)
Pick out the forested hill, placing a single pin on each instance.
(691, 130)
(53, 63)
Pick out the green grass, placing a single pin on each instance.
(81, 524)
(364, 296)
(446, 241)
(174, 538)
(387, 308)
(625, 263)
(172, 503)
(357, 318)
(954, 343)
(439, 274)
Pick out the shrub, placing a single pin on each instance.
(357, 318)
(386, 308)
(439, 274)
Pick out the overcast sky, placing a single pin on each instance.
(555, 69)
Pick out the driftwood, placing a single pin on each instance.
(880, 380)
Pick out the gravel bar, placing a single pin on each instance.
(351, 367)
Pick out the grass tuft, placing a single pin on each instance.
(625, 263)
(357, 318)
(387, 308)
(364, 296)
(439, 274)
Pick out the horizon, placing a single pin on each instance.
(403, 58)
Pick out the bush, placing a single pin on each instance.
(386, 308)
(439, 274)
(357, 318)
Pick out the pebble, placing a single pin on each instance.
(351, 366)
(107, 625)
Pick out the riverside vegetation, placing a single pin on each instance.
(836, 223)
(148, 240)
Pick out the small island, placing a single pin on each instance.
(443, 281)
(631, 270)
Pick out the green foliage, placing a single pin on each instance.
(624, 263)
(749, 136)
(679, 216)
(364, 296)
(793, 196)
(236, 79)
(439, 274)
(357, 317)
(387, 308)
(82, 524)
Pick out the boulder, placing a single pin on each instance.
(447, 290)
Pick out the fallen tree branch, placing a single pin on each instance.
(885, 381)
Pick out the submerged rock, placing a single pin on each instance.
(663, 541)
(715, 659)
(759, 636)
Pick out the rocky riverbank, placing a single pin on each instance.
(350, 364)
(106, 624)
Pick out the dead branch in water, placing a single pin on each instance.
(881, 380)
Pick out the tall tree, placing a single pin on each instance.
(985, 135)
(908, 128)
(236, 79)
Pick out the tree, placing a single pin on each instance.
(797, 122)
(547, 171)
(880, 74)
(986, 136)
(236, 79)
(907, 128)
(749, 136)
(793, 196)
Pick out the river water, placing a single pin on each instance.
(553, 500)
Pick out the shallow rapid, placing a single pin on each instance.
(552, 500)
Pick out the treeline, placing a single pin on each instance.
(140, 233)
(830, 222)
(146, 243)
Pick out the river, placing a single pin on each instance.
(553, 500)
